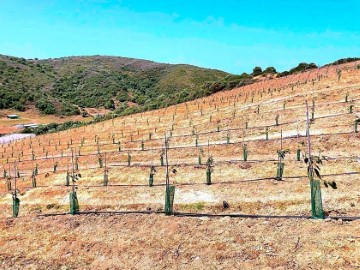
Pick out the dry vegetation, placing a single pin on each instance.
(238, 117)
(159, 242)
(32, 116)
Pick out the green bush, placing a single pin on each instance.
(344, 60)
(110, 105)
(302, 67)
(45, 106)
(257, 71)
(27, 130)
(55, 127)
(19, 106)
(216, 87)
(270, 70)
(69, 109)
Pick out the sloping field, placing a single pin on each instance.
(159, 242)
(218, 126)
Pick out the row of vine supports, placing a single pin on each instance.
(197, 134)
(316, 203)
(170, 189)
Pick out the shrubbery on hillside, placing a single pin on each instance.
(54, 127)
(61, 86)
(45, 106)
(257, 71)
(344, 60)
(270, 70)
(302, 67)
(68, 109)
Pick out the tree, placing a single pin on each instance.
(270, 70)
(19, 106)
(45, 106)
(257, 71)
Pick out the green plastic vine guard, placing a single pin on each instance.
(245, 154)
(208, 176)
(316, 200)
(74, 203)
(298, 154)
(33, 181)
(151, 180)
(280, 171)
(169, 200)
(16, 206)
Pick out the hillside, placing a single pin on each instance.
(73, 88)
(245, 217)
(65, 86)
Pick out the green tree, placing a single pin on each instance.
(257, 71)
(45, 106)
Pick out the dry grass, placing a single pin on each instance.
(145, 242)
(158, 242)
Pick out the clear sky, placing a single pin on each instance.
(230, 35)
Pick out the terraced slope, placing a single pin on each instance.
(216, 126)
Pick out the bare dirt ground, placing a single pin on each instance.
(219, 126)
(159, 242)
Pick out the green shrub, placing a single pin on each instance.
(69, 109)
(257, 71)
(270, 70)
(110, 105)
(344, 60)
(216, 87)
(19, 106)
(45, 106)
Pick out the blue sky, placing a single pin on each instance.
(229, 35)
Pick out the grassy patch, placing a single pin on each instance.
(192, 207)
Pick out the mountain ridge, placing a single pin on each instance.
(69, 85)
(62, 85)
